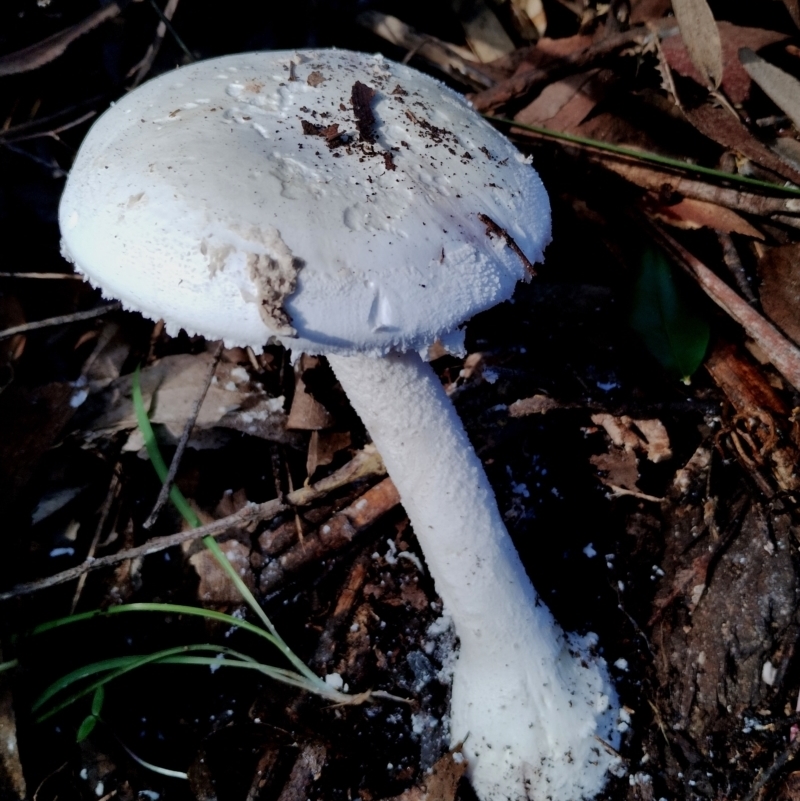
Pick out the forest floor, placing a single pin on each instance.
(635, 406)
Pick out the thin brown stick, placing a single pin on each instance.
(247, 515)
(64, 319)
(140, 70)
(366, 463)
(784, 355)
(163, 495)
(110, 496)
(527, 81)
(49, 276)
(493, 229)
(53, 132)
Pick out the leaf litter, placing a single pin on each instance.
(593, 446)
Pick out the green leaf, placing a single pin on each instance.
(97, 700)
(672, 330)
(86, 728)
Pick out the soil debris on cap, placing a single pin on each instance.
(361, 98)
(275, 277)
(315, 78)
(330, 133)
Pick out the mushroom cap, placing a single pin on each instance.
(325, 198)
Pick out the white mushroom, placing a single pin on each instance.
(353, 207)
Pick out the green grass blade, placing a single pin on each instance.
(132, 664)
(182, 505)
(653, 158)
(172, 609)
(143, 421)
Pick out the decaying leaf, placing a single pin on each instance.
(215, 584)
(441, 783)
(306, 412)
(485, 35)
(700, 34)
(783, 89)
(536, 404)
(721, 126)
(618, 469)
(779, 269)
(563, 105)
(532, 11)
(673, 332)
(692, 214)
(736, 82)
(170, 388)
(646, 436)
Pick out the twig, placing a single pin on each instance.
(50, 276)
(62, 320)
(110, 496)
(492, 228)
(523, 83)
(246, 515)
(667, 184)
(784, 355)
(143, 67)
(645, 156)
(774, 770)
(163, 496)
(167, 21)
(366, 463)
(734, 264)
(53, 132)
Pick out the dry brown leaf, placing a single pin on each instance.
(564, 105)
(537, 404)
(441, 783)
(486, 37)
(779, 269)
(722, 127)
(736, 82)
(783, 89)
(306, 412)
(323, 446)
(232, 401)
(700, 34)
(532, 10)
(41, 53)
(647, 436)
(215, 585)
(692, 214)
(618, 468)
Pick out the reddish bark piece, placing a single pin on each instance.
(361, 98)
(648, 10)
(565, 104)
(736, 82)
(721, 126)
(691, 214)
(780, 288)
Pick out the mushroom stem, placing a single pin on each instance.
(532, 705)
